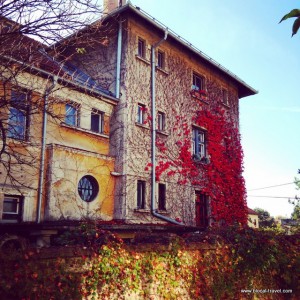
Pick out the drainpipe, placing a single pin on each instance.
(119, 52)
(153, 136)
(43, 149)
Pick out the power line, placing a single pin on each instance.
(272, 186)
(295, 197)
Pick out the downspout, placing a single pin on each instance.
(43, 150)
(119, 52)
(153, 136)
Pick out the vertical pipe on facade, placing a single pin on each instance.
(43, 150)
(119, 53)
(153, 136)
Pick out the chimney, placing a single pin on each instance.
(110, 5)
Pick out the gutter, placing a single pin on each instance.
(43, 149)
(153, 137)
(119, 52)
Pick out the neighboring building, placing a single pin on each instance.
(252, 218)
(186, 84)
(55, 162)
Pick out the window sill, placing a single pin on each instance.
(147, 62)
(84, 130)
(163, 212)
(201, 99)
(203, 160)
(142, 210)
(162, 132)
(162, 70)
(142, 125)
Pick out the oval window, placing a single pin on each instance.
(88, 188)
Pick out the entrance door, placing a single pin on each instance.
(201, 210)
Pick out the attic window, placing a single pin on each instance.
(141, 48)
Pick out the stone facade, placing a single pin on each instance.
(177, 64)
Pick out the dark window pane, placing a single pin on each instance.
(88, 188)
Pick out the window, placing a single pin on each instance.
(12, 208)
(88, 188)
(97, 119)
(140, 114)
(141, 48)
(18, 122)
(199, 143)
(161, 121)
(141, 193)
(198, 82)
(201, 210)
(225, 97)
(161, 59)
(161, 196)
(72, 114)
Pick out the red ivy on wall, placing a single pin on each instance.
(220, 177)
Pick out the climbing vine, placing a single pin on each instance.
(219, 174)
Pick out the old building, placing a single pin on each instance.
(140, 126)
(175, 104)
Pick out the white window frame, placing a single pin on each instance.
(18, 121)
(199, 142)
(161, 121)
(140, 117)
(141, 48)
(16, 216)
(198, 82)
(100, 122)
(141, 194)
(76, 121)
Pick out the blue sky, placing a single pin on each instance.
(245, 37)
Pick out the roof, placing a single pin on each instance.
(252, 212)
(19, 48)
(243, 88)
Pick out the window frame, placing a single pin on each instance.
(196, 142)
(225, 97)
(140, 116)
(198, 82)
(141, 194)
(13, 216)
(76, 116)
(92, 191)
(201, 209)
(161, 121)
(99, 122)
(160, 59)
(162, 193)
(21, 109)
(141, 49)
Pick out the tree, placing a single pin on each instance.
(295, 13)
(296, 213)
(27, 29)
